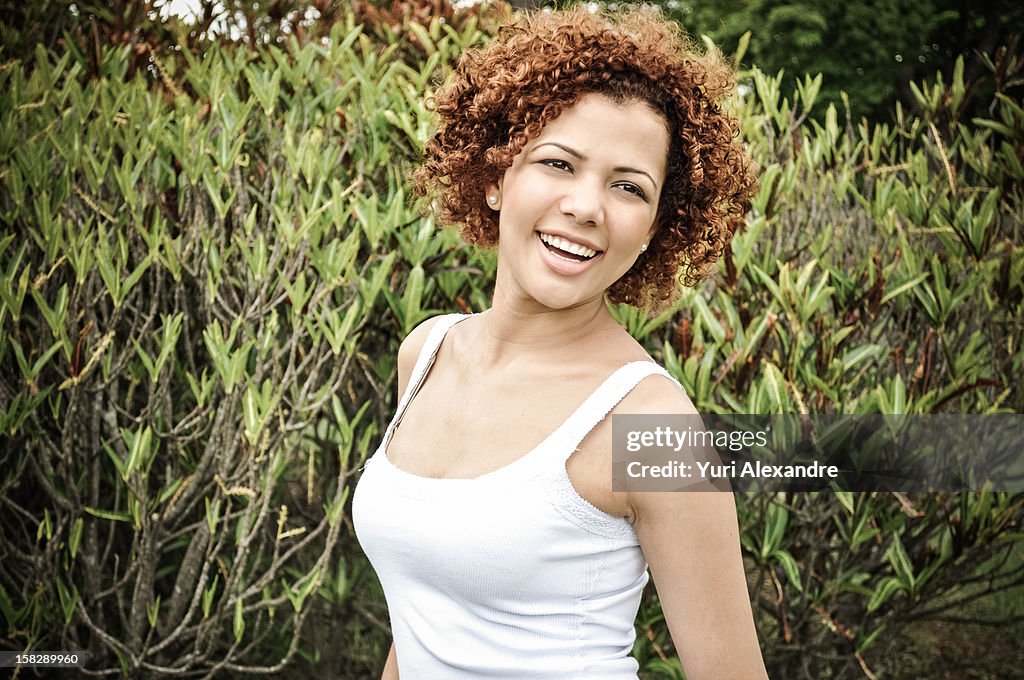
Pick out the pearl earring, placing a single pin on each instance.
(492, 199)
(643, 248)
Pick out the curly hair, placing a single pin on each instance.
(502, 95)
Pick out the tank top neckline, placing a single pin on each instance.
(550, 454)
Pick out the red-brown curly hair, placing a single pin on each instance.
(502, 95)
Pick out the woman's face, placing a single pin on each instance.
(579, 202)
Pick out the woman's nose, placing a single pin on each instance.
(583, 200)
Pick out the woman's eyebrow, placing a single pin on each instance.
(577, 154)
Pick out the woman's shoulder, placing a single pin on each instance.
(657, 393)
(412, 346)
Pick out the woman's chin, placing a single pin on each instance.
(541, 291)
(556, 300)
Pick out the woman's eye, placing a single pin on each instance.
(634, 189)
(557, 164)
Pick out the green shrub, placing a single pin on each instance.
(880, 272)
(201, 302)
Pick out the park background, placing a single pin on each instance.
(208, 257)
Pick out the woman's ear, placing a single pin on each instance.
(493, 196)
(650, 235)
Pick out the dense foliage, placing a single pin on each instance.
(205, 274)
(880, 272)
(868, 52)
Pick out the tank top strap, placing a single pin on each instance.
(600, 403)
(426, 359)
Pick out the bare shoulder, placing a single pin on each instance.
(590, 470)
(410, 350)
(657, 394)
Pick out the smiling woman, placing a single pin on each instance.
(591, 150)
(501, 97)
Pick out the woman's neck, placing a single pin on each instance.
(516, 330)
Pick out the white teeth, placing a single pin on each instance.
(567, 246)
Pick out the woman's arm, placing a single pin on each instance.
(691, 542)
(390, 671)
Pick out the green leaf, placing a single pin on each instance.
(860, 354)
(901, 564)
(708, 319)
(212, 513)
(13, 287)
(238, 625)
(776, 519)
(152, 611)
(845, 498)
(265, 86)
(774, 387)
(171, 332)
(55, 316)
(75, 536)
(903, 287)
(6, 609)
(370, 288)
(886, 588)
(297, 596)
(147, 361)
(141, 450)
(424, 39)
(769, 282)
(413, 298)
(41, 362)
(45, 527)
(68, 600)
(258, 407)
(1004, 130)
(168, 491)
(789, 566)
(108, 514)
(870, 639)
(208, 594)
(741, 50)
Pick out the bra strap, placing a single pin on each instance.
(600, 403)
(426, 359)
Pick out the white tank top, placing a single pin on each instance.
(511, 574)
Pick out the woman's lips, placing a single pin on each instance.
(568, 246)
(566, 264)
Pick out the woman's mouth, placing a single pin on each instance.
(567, 250)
